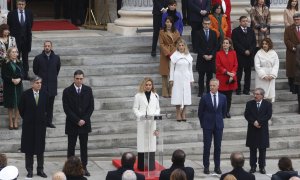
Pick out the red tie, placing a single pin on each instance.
(298, 31)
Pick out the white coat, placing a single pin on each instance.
(181, 73)
(141, 107)
(266, 63)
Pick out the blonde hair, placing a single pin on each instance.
(59, 176)
(230, 177)
(143, 84)
(8, 54)
(186, 49)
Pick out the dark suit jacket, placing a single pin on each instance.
(165, 174)
(267, 3)
(34, 122)
(258, 137)
(195, 7)
(78, 107)
(239, 174)
(242, 42)
(117, 174)
(15, 27)
(284, 175)
(48, 70)
(158, 5)
(208, 116)
(206, 48)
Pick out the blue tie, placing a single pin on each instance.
(206, 34)
(215, 102)
(22, 18)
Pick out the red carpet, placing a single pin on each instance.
(152, 175)
(52, 25)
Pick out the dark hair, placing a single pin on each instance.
(128, 160)
(172, 2)
(285, 164)
(237, 159)
(3, 161)
(230, 42)
(21, 1)
(256, 2)
(268, 41)
(3, 27)
(289, 5)
(242, 17)
(78, 72)
(213, 9)
(170, 18)
(48, 42)
(73, 167)
(178, 157)
(178, 174)
(205, 19)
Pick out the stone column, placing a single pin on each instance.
(277, 7)
(134, 14)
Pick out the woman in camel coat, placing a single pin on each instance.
(167, 40)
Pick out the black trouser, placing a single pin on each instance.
(261, 158)
(228, 95)
(196, 26)
(291, 85)
(185, 10)
(23, 52)
(297, 90)
(83, 139)
(29, 162)
(247, 77)
(50, 109)
(141, 161)
(156, 27)
(209, 76)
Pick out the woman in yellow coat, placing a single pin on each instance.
(167, 40)
(218, 21)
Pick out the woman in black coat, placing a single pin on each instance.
(12, 73)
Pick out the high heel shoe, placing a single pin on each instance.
(16, 126)
(10, 128)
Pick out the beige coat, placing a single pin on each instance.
(291, 41)
(167, 48)
(288, 17)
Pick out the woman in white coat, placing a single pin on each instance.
(181, 78)
(266, 66)
(146, 103)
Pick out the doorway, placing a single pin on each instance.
(41, 9)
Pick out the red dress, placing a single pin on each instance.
(226, 63)
(227, 12)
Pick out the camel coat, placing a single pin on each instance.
(288, 17)
(215, 25)
(291, 39)
(167, 48)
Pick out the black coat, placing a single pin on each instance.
(117, 174)
(284, 175)
(34, 122)
(165, 174)
(195, 7)
(258, 137)
(158, 5)
(78, 107)
(48, 70)
(75, 177)
(239, 174)
(242, 42)
(206, 48)
(15, 27)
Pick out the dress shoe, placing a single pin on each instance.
(228, 115)
(246, 92)
(206, 171)
(29, 175)
(218, 171)
(183, 120)
(153, 53)
(252, 170)
(86, 173)
(238, 92)
(262, 170)
(50, 125)
(42, 174)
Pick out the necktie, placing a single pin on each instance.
(78, 90)
(36, 98)
(206, 35)
(215, 102)
(258, 105)
(22, 18)
(298, 31)
(245, 30)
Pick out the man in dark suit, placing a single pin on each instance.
(33, 108)
(47, 66)
(78, 104)
(237, 161)
(267, 3)
(211, 111)
(207, 43)
(197, 10)
(258, 112)
(159, 7)
(20, 24)
(244, 43)
(127, 161)
(178, 159)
